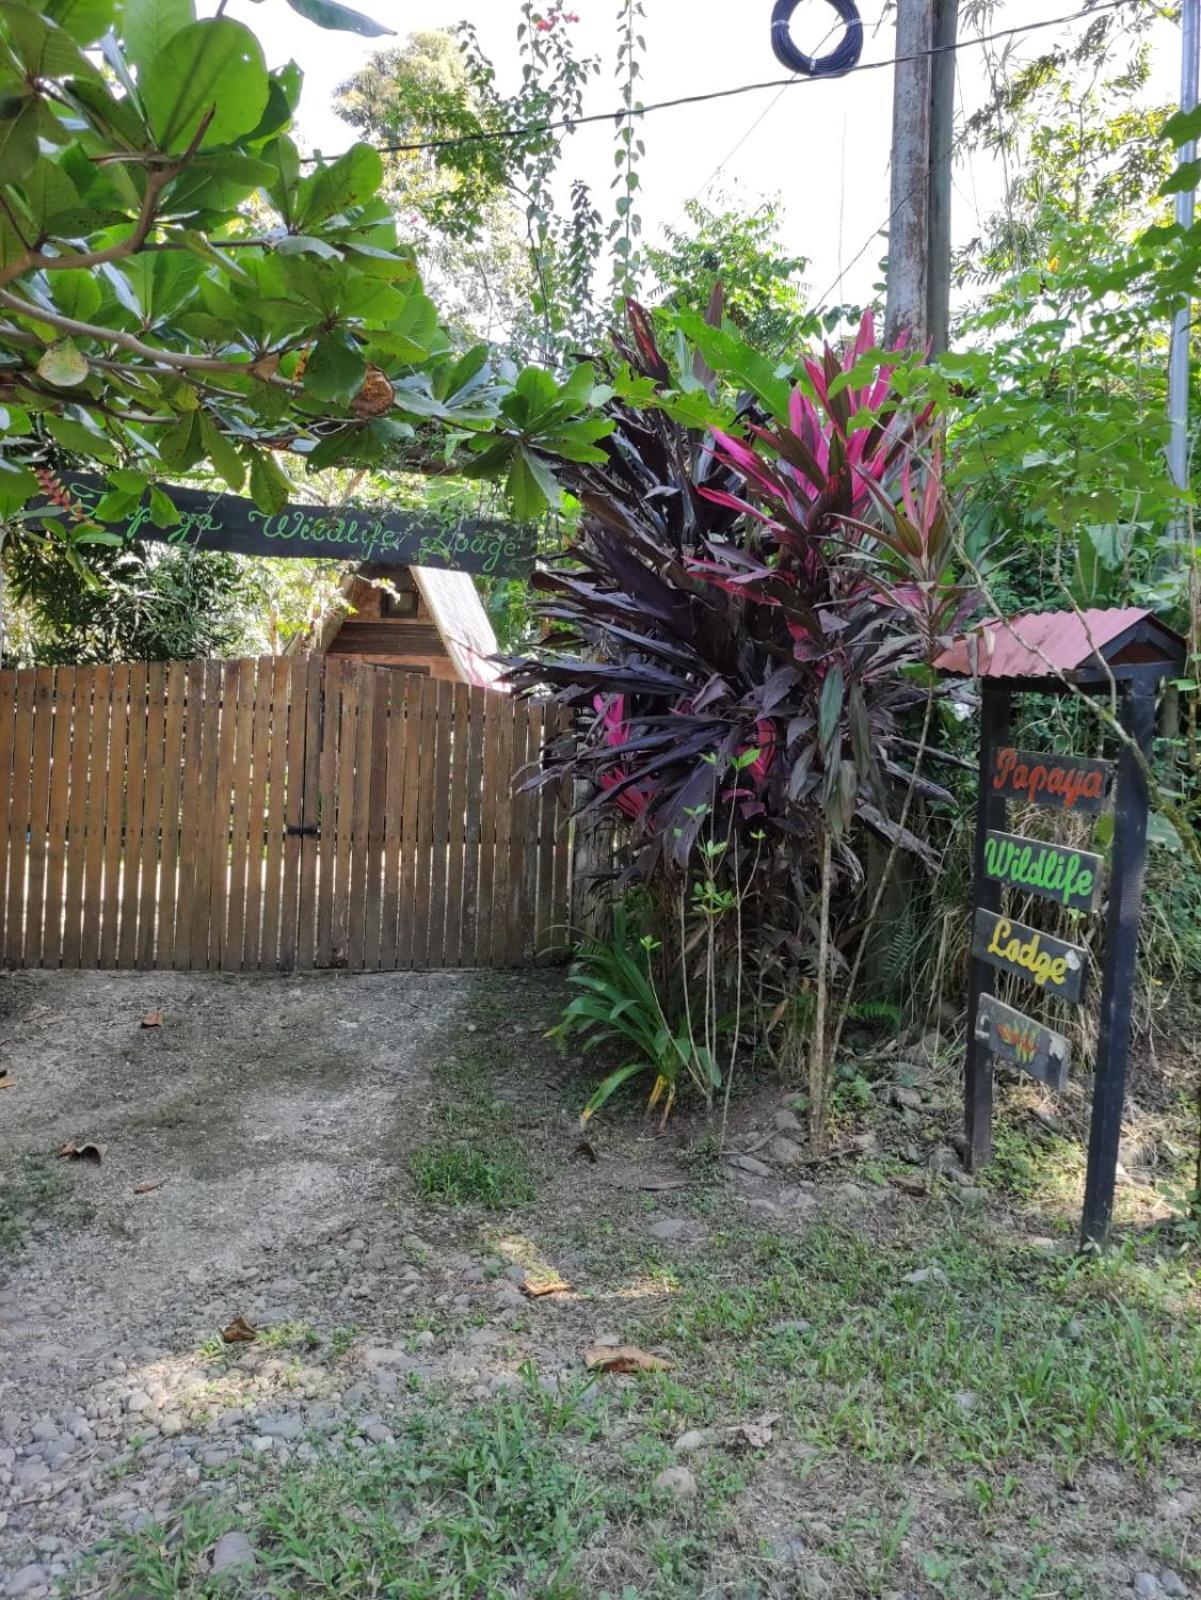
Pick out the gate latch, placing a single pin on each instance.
(302, 830)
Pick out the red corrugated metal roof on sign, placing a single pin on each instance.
(1035, 646)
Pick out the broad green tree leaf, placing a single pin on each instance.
(269, 486)
(43, 48)
(328, 14)
(76, 294)
(63, 364)
(222, 454)
(206, 68)
(18, 141)
(335, 369)
(84, 20)
(147, 25)
(350, 180)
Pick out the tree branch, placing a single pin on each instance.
(180, 360)
(156, 182)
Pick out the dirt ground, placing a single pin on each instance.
(881, 1379)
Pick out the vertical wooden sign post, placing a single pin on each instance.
(1059, 653)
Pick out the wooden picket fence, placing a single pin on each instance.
(273, 815)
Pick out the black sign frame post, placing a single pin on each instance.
(1125, 655)
(996, 710)
(1127, 873)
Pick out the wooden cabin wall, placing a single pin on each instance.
(408, 643)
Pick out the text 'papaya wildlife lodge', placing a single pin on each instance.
(227, 522)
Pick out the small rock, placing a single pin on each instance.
(901, 1095)
(171, 1425)
(670, 1228)
(694, 1439)
(925, 1275)
(791, 1326)
(1050, 1122)
(424, 1339)
(944, 1162)
(965, 1399)
(261, 1444)
(28, 1579)
(1146, 1585)
(786, 1122)
(44, 1429)
(850, 1194)
(377, 1432)
(785, 1152)
(1182, 1504)
(231, 1552)
(1172, 1583)
(281, 1427)
(751, 1164)
(138, 1400)
(677, 1483)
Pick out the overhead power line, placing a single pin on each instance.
(627, 113)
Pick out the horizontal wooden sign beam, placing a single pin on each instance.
(1050, 964)
(1060, 783)
(1021, 1042)
(384, 535)
(1070, 878)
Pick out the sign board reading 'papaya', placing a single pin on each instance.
(1060, 783)
(394, 538)
(1021, 1042)
(1071, 878)
(1051, 965)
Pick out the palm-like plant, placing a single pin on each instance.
(741, 631)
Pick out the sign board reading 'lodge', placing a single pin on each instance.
(342, 533)
(1071, 878)
(1060, 783)
(1022, 1042)
(1053, 966)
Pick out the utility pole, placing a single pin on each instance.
(923, 117)
(1178, 361)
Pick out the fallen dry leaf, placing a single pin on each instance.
(537, 1288)
(152, 1019)
(754, 1435)
(149, 1187)
(6, 1080)
(622, 1358)
(81, 1152)
(239, 1332)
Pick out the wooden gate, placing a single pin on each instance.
(271, 815)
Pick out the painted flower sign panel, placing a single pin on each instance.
(1070, 878)
(1021, 1042)
(1059, 783)
(395, 538)
(1050, 964)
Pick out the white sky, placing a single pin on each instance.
(822, 146)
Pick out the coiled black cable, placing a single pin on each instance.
(831, 66)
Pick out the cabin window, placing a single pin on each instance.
(401, 604)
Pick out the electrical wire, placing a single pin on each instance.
(838, 63)
(627, 113)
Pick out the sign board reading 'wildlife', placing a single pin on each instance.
(1070, 878)
(1060, 783)
(389, 537)
(1022, 1042)
(1050, 964)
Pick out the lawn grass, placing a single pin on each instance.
(487, 1502)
